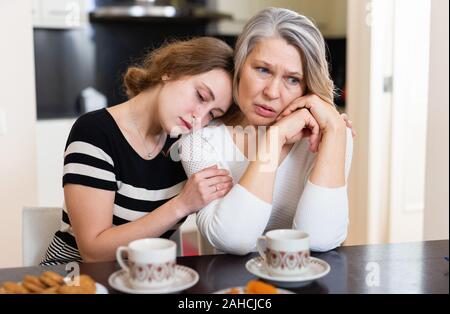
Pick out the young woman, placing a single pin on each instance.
(296, 175)
(120, 182)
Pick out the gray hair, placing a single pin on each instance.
(299, 32)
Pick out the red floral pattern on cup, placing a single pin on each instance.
(287, 260)
(152, 272)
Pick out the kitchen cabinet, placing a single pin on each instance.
(329, 15)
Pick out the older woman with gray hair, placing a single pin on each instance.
(286, 146)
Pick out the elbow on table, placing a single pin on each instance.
(326, 242)
(88, 258)
(241, 249)
(234, 245)
(91, 254)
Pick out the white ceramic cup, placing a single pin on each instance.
(285, 251)
(151, 262)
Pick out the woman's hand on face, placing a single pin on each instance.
(203, 187)
(297, 125)
(324, 113)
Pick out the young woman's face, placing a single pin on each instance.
(205, 96)
(271, 77)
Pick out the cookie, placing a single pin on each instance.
(86, 286)
(34, 280)
(14, 287)
(53, 276)
(32, 287)
(49, 282)
(51, 290)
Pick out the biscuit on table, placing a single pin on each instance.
(51, 290)
(75, 290)
(32, 287)
(49, 282)
(53, 276)
(14, 287)
(34, 280)
(85, 285)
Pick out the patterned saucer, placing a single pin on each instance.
(185, 278)
(316, 269)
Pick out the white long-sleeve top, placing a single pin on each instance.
(232, 224)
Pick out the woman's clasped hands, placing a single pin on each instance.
(309, 117)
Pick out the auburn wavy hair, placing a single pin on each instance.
(178, 59)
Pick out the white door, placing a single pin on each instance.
(387, 99)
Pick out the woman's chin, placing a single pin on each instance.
(258, 120)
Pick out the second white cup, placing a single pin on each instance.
(285, 252)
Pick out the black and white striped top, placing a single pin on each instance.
(98, 155)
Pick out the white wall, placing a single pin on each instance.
(17, 145)
(358, 100)
(380, 18)
(51, 137)
(436, 189)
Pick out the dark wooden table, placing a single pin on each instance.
(392, 268)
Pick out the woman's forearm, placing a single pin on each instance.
(329, 169)
(227, 226)
(259, 178)
(323, 214)
(154, 224)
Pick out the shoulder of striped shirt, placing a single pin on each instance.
(85, 148)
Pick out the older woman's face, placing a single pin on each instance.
(271, 77)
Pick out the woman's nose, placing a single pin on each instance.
(272, 89)
(200, 115)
